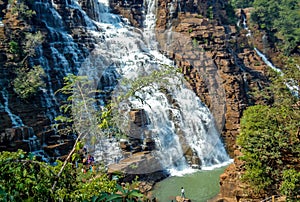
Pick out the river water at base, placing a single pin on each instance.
(199, 186)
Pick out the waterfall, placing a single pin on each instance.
(16, 121)
(175, 117)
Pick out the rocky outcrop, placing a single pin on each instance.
(130, 9)
(142, 165)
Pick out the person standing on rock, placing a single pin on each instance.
(182, 193)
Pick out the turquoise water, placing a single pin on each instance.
(199, 186)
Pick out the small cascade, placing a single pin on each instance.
(16, 121)
(29, 137)
(180, 124)
(294, 89)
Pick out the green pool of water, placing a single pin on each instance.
(199, 186)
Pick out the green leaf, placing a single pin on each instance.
(136, 193)
(116, 197)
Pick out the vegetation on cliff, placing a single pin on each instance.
(280, 19)
(22, 43)
(270, 138)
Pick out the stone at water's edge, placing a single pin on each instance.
(180, 199)
(141, 164)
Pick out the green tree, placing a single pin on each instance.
(21, 9)
(28, 82)
(241, 3)
(288, 25)
(80, 115)
(291, 184)
(269, 144)
(32, 41)
(281, 20)
(269, 136)
(266, 11)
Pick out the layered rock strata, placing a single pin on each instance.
(216, 59)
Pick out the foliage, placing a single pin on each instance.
(22, 10)
(28, 82)
(291, 183)
(123, 194)
(230, 13)
(210, 13)
(13, 47)
(279, 18)
(32, 41)
(23, 178)
(241, 3)
(80, 113)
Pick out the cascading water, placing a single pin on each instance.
(16, 121)
(65, 56)
(175, 116)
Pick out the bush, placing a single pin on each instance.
(23, 178)
(269, 145)
(27, 83)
